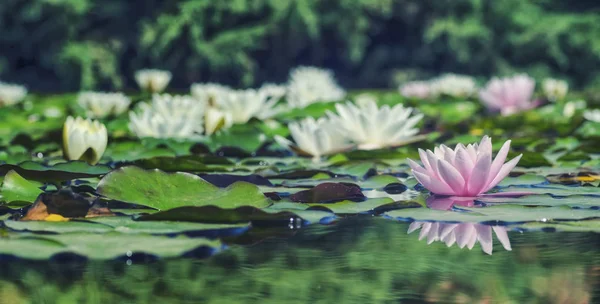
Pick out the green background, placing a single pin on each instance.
(65, 45)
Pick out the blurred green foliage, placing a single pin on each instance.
(82, 44)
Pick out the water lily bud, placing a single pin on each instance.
(153, 80)
(84, 139)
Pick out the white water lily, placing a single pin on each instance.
(308, 85)
(210, 93)
(168, 116)
(242, 105)
(153, 80)
(11, 94)
(592, 115)
(84, 139)
(101, 104)
(453, 85)
(463, 234)
(315, 138)
(371, 127)
(276, 91)
(215, 119)
(555, 89)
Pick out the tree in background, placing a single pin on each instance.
(84, 44)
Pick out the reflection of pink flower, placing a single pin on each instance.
(416, 89)
(463, 234)
(509, 95)
(465, 171)
(446, 202)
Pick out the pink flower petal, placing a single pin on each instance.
(432, 184)
(424, 159)
(478, 179)
(506, 168)
(451, 176)
(463, 234)
(498, 161)
(502, 236)
(484, 235)
(414, 226)
(463, 163)
(416, 167)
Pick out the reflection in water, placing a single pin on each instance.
(358, 260)
(447, 202)
(463, 234)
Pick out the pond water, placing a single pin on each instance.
(356, 260)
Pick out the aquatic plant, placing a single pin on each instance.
(573, 106)
(84, 139)
(243, 105)
(315, 138)
(463, 234)
(592, 115)
(153, 80)
(307, 85)
(454, 85)
(464, 171)
(215, 119)
(168, 116)
(372, 127)
(274, 90)
(555, 89)
(509, 95)
(103, 104)
(11, 94)
(210, 93)
(415, 89)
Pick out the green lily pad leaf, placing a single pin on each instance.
(554, 189)
(189, 163)
(499, 213)
(102, 246)
(16, 189)
(450, 112)
(592, 225)
(214, 214)
(126, 224)
(58, 172)
(161, 190)
(370, 205)
(582, 201)
(58, 227)
(29, 246)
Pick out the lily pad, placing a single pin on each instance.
(58, 172)
(161, 190)
(504, 213)
(102, 246)
(16, 189)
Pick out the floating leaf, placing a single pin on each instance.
(58, 172)
(102, 246)
(504, 213)
(161, 190)
(16, 189)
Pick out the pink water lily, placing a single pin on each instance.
(464, 171)
(509, 95)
